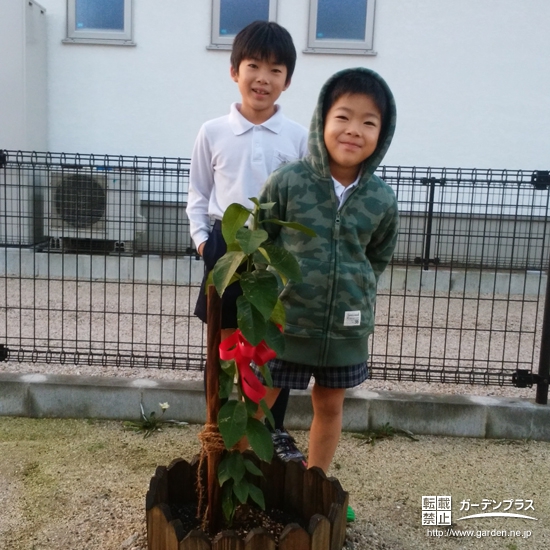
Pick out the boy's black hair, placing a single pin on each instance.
(264, 40)
(356, 82)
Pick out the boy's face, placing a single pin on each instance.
(352, 128)
(260, 84)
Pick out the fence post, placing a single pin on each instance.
(425, 260)
(544, 361)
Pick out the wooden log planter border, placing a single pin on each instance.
(319, 501)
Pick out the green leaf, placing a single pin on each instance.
(263, 205)
(232, 422)
(223, 471)
(143, 415)
(241, 490)
(261, 289)
(251, 407)
(250, 239)
(268, 413)
(228, 506)
(256, 495)
(250, 321)
(209, 281)
(262, 251)
(233, 466)
(279, 314)
(259, 260)
(233, 247)
(274, 338)
(293, 225)
(233, 219)
(229, 366)
(225, 269)
(252, 468)
(266, 373)
(226, 382)
(283, 261)
(259, 439)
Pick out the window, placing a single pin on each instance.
(99, 22)
(230, 16)
(341, 26)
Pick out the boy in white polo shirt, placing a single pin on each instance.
(232, 158)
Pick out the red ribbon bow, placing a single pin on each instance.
(237, 347)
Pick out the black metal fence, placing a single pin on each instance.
(97, 267)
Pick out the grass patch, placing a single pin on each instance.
(385, 432)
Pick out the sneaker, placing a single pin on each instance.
(350, 515)
(285, 446)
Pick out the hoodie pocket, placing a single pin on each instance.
(306, 302)
(354, 297)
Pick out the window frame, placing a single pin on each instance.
(87, 36)
(224, 42)
(354, 47)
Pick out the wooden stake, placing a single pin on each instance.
(213, 320)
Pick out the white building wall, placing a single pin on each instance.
(470, 78)
(23, 75)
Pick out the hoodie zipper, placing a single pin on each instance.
(335, 252)
(330, 309)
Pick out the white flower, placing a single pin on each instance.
(164, 406)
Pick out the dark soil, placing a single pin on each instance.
(246, 518)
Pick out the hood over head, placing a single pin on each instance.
(318, 152)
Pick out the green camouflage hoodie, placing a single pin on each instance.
(329, 315)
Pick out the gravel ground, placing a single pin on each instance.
(68, 484)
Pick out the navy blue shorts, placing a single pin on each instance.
(214, 249)
(296, 376)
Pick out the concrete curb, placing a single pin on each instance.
(68, 396)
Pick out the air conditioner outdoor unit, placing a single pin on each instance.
(20, 208)
(94, 204)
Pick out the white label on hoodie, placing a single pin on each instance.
(352, 319)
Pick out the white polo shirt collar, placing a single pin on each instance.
(342, 192)
(239, 125)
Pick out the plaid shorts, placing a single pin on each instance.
(296, 376)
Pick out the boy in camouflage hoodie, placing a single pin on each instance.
(333, 190)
